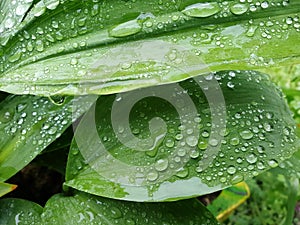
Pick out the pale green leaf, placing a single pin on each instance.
(80, 47)
(6, 188)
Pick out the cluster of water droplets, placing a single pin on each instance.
(31, 123)
(87, 209)
(253, 140)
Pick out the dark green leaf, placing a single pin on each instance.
(80, 47)
(18, 211)
(85, 209)
(181, 140)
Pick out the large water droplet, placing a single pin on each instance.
(246, 134)
(51, 4)
(192, 141)
(125, 29)
(231, 170)
(252, 158)
(161, 164)
(239, 9)
(202, 9)
(152, 176)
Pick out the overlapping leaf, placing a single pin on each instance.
(87, 209)
(101, 47)
(242, 126)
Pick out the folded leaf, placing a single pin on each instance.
(86, 210)
(80, 47)
(181, 140)
(229, 199)
(28, 124)
(19, 211)
(6, 188)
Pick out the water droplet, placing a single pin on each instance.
(230, 85)
(21, 9)
(213, 142)
(170, 143)
(115, 213)
(239, 9)
(202, 9)
(181, 152)
(252, 158)
(51, 4)
(268, 127)
(52, 130)
(250, 33)
(39, 46)
(273, 163)
(237, 179)
(161, 164)
(246, 134)
(39, 9)
(125, 29)
(152, 176)
(234, 141)
(260, 166)
(182, 173)
(192, 141)
(202, 145)
(231, 170)
(205, 134)
(15, 57)
(264, 5)
(194, 154)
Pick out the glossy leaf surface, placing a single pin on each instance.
(19, 211)
(88, 210)
(181, 140)
(102, 47)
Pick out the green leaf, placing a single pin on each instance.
(28, 124)
(19, 211)
(80, 47)
(86, 209)
(229, 199)
(6, 188)
(181, 140)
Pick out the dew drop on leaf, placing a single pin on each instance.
(126, 29)
(202, 9)
(161, 164)
(239, 9)
(246, 134)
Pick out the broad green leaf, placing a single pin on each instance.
(19, 211)
(181, 140)
(229, 199)
(6, 188)
(80, 47)
(87, 210)
(28, 124)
